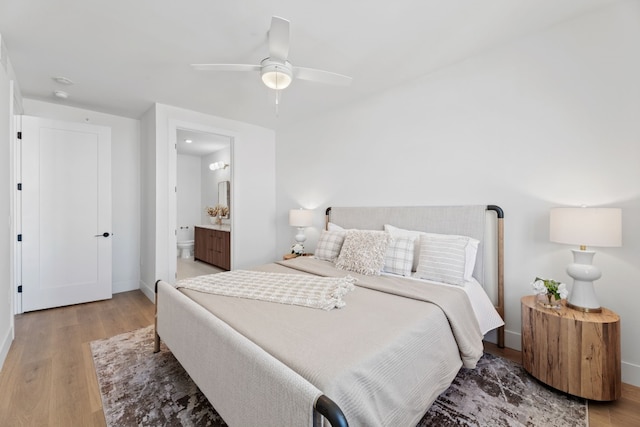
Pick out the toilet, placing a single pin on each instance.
(185, 248)
(185, 241)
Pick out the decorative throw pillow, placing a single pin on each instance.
(471, 249)
(329, 245)
(442, 258)
(363, 251)
(399, 256)
(415, 235)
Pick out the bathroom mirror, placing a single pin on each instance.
(224, 195)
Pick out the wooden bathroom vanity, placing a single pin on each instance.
(213, 245)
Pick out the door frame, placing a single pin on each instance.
(15, 202)
(172, 175)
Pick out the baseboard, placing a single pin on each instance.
(149, 291)
(513, 340)
(631, 374)
(6, 345)
(124, 286)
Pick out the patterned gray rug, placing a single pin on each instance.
(140, 388)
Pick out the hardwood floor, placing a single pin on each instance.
(48, 378)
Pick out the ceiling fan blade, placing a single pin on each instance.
(321, 76)
(279, 38)
(225, 67)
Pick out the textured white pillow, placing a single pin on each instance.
(329, 245)
(399, 256)
(471, 250)
(363, 251)
(442, 258)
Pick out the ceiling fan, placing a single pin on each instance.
(276, 71)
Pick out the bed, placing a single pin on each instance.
(382, 358)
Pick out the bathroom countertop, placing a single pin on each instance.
(221, 227)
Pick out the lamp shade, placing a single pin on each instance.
(300, 218)
(586, 226)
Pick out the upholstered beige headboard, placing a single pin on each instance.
(481, 222)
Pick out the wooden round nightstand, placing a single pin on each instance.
(572, 351)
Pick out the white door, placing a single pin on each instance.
(66, 213)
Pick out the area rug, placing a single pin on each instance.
(140, 388)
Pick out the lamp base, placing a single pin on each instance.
(584, 309)
(583, 296)
(300, 237)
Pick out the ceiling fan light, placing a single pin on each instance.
(276, 76)
(276, 80)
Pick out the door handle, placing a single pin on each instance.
(105, 234)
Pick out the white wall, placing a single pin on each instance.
(253, 190)
(547, 120)
(6, 217)
(210, 179)
(125, 184)
(148, 206)
(189, 195)
(198, 188)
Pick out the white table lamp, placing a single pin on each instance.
(300, 218)
(585, 227)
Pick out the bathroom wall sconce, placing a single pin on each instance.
(218, 165)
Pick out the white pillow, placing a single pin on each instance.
(363, 251)
(442, 259)
(329, 245)
(334, 227)
(399, 256)
(471, 250)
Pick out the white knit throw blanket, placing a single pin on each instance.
(297, 289)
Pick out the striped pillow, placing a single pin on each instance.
(329, 245)
(442, 258)
(399, 256)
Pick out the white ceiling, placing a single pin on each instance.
(201, 144)
(124, 55)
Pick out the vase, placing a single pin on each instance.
(219, 220)
(213, 219)
(549, 301)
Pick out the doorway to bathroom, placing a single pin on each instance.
(203, 164)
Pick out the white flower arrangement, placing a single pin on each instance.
(550, 288)
(298, 249)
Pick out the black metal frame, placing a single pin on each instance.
(331, 411)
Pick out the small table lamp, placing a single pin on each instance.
(300, 218)
(585, 227)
